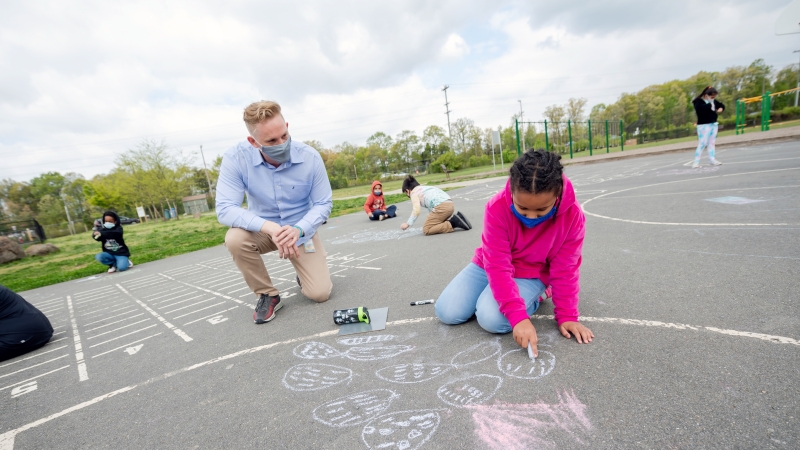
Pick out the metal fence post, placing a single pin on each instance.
(590, 136)
(767, 111)
(621, 137)
(546, 138)
(607, 149)
(516, 125)
(569, 129)
(738, 108)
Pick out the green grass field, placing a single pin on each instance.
(147, 241)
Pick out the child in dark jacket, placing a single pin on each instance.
(375, 206)
(115, 254)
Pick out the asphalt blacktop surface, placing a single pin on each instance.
(689, 282)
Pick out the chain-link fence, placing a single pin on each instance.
(24, 231)
(573, 138)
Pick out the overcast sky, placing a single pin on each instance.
(82, 81)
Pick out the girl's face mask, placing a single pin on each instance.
(377, 192)
(533, 203)
(530, 223)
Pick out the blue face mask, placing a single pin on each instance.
(530, 223)
(109, 225)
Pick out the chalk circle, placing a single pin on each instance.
(472, 390)
(477, 353)
(411, 373)
(517, 364)
(315, 350)
(402, 430)
(315, 376)
(360, 340)
(376, 353)
(354, 409)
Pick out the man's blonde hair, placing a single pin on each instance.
(258, 112)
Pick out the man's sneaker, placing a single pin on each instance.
(456, 222)
(266, 308)
(715, 163)
(696, 164)
(112, 269)
(464, 219)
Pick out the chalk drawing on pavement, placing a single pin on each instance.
(373, 235)
(402, 430)
(472, 390)
(366, 339)
(315, 376)
(318, 350)
(477, 353)
(411, 373)
(517, 364)
(354, 409)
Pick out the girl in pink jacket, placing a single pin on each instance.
(532, 237)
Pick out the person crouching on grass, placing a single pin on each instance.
(442, 218)
(375, 206)
(116, 255)
(532, 236)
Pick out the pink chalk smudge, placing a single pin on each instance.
(503, 426)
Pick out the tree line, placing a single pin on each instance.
(156, 176)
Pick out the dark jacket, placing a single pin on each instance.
(706, 112)
(22, 326)
(111, 239)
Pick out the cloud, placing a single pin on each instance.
(83, 81)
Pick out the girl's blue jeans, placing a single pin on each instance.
(469, 293)
(120, 262)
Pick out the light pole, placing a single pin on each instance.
(797, 93)
(447, 108)
(522, 123)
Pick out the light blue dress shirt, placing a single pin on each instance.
(295, 193)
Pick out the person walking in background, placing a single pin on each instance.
(116, 255)
(23, 328)
(442, 217)
(707, 108)
(288, 198)
(532, 236)
(375, 206)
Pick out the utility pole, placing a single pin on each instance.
(69, 219)
(797, 93)
(447, 108)
(210, 190)
(522, 123)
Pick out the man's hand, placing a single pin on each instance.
(524, 332)
(404, 226)
(286, 235)
(582, 334)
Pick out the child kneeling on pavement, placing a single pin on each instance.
(115, 254)
(442, 218)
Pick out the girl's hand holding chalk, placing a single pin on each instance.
(524, 334)
(582, 334)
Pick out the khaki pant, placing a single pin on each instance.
(246, 247)
(438, 219)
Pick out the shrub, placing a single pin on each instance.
(449, 159)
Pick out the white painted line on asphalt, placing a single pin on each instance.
(370, 268)
(227, 297)
(210, 315)
(583, 205)
(126, 345)
(31, 379)
(246, 287)
(83, 375)
(47, 311)
(228, 284)
(111, 317)
(160, 294)
(35, 365)
(170, 297)
(172, 327)
(702, 192)
(738, 254)
(189, 306)
(120, 337)
(47, 303)
(91, 290)
(198, 310)
(30, 357)
(117, 329)
(112, 323)
(760, 160)
(92, 312)
(182, 301)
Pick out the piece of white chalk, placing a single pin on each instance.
(530, 352)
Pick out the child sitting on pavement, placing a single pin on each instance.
(115, 254)
(375, 206)
(532, 236)
(442, 218)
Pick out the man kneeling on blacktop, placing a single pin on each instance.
(288, 198)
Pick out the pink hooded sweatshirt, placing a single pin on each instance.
(550, 251)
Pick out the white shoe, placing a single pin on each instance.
(716, 163)
(695, 165)
(112, 270)
(130, 264)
